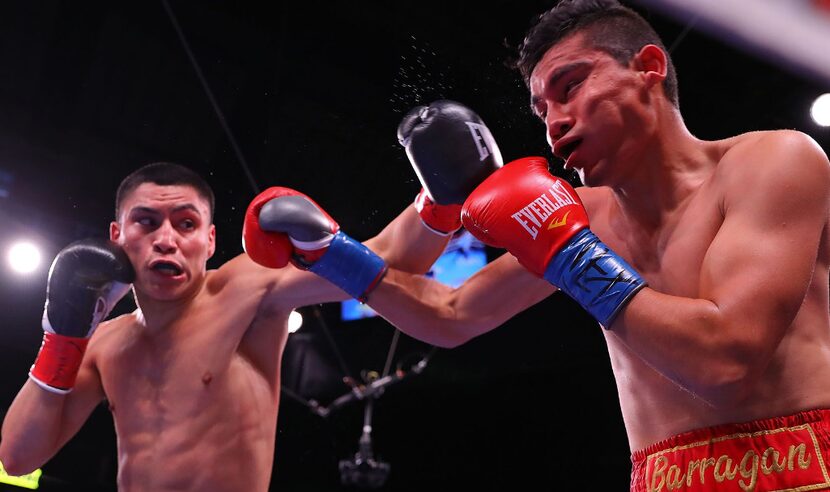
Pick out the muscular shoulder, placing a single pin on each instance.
(757, 155)
(115, 327)
(241, 274)
(269, 288)
(111, 332)
(782, 165)
(595, 199)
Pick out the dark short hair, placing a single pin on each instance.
(164, 174)
(609, 26)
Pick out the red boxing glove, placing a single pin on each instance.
(296, 229)
(525, 210)
(443, 220)
(314, 242)
(540, 219)
(269, 249)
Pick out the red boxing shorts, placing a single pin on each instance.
(778, 454)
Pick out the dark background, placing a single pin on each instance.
(312, 93)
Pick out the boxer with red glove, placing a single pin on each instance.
(540, 220)
(452, 151)
(86, 280)
(284, 225)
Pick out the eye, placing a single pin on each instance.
(146, 221)
(571, 86)
(188, 224)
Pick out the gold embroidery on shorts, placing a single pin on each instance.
(664, 476)
(769, 463)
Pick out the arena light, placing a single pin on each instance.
(820, 111)
(24, 257)
(295, 321)
(757, 26)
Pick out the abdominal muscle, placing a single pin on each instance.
(655, 408)
(197, 430)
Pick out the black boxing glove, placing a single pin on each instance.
(86, 280)
(450, 148)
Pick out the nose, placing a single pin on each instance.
(164, 240)
(558, 124)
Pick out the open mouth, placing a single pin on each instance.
(567, 149)
(167, 268)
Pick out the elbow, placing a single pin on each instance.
(728, 383)
(450, 338)
(453, 342)
(14, 464)
(449, 327)
(455, 334)
(725, 394)
(732, 364)
(19, 455)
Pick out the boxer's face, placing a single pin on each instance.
(168, 236)
(592, 108)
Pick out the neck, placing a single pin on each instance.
(671, 166)
(157, 314)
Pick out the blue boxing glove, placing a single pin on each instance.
(318, 244)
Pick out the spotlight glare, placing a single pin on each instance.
(24, 257)
(295, 321)
(820, 111)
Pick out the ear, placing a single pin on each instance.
(653, 62)
(211, 240)
(115, 231)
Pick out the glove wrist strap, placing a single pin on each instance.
(351, 266)
(58, 362)
(594, 276)
(443, 220)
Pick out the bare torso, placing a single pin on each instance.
(195, 404)
(670, 259)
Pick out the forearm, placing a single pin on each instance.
(407, 245)
(693, 343)
(435, 313)
(31, 429)
(421, 308)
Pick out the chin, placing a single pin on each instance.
(164, 293)
(593, 175)
(589, 178)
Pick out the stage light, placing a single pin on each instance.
(24, 257)
(821, 110)
(295, 321)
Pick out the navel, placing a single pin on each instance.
(207, 377)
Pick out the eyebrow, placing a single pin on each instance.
(557, 75)
(179, 208)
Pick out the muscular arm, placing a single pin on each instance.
(39, 423)
(406, 245)
(754, 276)
(435, 313)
